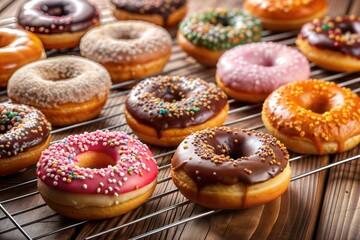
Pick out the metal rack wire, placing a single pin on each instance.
(25, 188)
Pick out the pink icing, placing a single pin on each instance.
(261, 67)
(134, 167)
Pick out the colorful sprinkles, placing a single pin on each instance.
(338, 33)
(134, 165)
(166, 102)
(21, 128)
(221, 29)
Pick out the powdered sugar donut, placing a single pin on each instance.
(251, 72)
(128, 49)
(96, 175)
(66, 89)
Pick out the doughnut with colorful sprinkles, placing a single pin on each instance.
(96, 175)
(24, 134)
(332, 42)
(207, 35)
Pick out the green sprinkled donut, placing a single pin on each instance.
(221, 29)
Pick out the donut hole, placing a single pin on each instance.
(92, 159)
(126, 35)
(242, 148)
(60, 73)
(55, 11)
(316, 103)
(170, 95)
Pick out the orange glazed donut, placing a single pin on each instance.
(166, 13)
(313, 117)
(66, 89)
(96, 175)
(163, 110)
(282, 15)
(128, 49)
(332, 42)
(58, 23)
(24, 134)
(229, 168)
(17, 48)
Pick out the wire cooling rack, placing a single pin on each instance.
(25, 215)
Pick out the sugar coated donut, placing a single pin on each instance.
(58, 23)
(24, 134)
(96, 175)
(207, 35)
(17, 48)
(313, 117)
(66, 89)
(285, 15)
(251, 72)
(332, 42)
(166, 13)
(230, 168)
(129, 49)
(164, 110)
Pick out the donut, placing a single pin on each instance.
(313, 117)
(24, 134)
(207, 35)
(332, 43)
(230, 168)
(96, 175)
(129, 49)
(67, 89)
(58, 23)
(285, 15)
(163, 110)
(252, 71)
(165, 13)
(17, 48)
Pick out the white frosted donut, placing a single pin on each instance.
(67, 84)
(129, 49)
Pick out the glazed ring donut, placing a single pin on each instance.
(313, 117)
(66, 89)
(24, 134)
(163, 110)
(227, 168)
(17, 48)
(285, 15)
(332, 42)
(58, 23)
(165, 13)
(251, 72)
(206, 36)
(96, 175)
(129, 49)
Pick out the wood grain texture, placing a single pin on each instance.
(321, 206)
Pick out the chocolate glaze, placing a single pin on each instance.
(341, 34)
(228, 156)
(166, 102)
(51, 16)
(22, 127)
(164, 8)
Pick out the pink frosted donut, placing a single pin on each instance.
(251, 72)
(96, 175)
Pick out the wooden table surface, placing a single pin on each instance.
(322, 205)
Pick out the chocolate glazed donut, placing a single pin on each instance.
(226, 168)
(171, 11)
(340, 34)
(48, 18)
